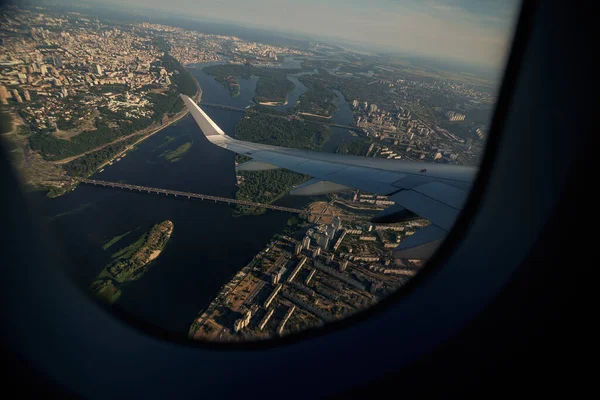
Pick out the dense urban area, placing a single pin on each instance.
(317, 271)
(77, 93)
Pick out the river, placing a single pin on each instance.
(208, 245)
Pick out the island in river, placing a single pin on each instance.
(128, 263)
(272, 86)
(177, 154)
(233, 85)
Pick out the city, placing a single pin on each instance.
(79, 93)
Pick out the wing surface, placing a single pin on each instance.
(435, 192)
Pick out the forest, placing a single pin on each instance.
(281, 131)
(269, 186)
(266, 187)
(318, 99)
(86, 165)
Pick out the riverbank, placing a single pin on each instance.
(175, 119)
(273, 103)
(314, 115)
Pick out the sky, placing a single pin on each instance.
(472, 31)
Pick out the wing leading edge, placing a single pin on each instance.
(435, 192)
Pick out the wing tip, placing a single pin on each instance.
(207, 125)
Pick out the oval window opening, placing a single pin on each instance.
(257, 174)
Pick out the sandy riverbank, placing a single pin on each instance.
(314, 115)
(273, 103)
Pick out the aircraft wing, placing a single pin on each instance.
(435, 192)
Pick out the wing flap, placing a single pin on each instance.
(253, 165)
(422, 244)
(209, 128)
(449, 195)
(435, 211)
(316, 186)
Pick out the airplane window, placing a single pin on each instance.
(234, 171)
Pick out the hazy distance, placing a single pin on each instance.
(475, 32)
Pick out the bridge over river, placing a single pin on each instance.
(189, 195)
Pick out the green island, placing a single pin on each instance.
(177, 154)
(272, 86)
(318, 100)
(269, 186)
(129, 262)
(369, 89)
(232, 84)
